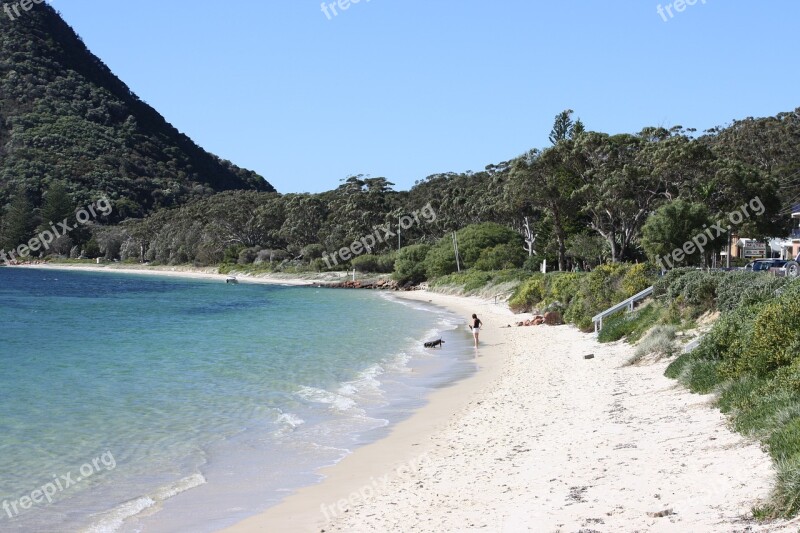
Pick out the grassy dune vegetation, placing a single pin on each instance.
(751, 360)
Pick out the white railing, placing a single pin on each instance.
(629, 303)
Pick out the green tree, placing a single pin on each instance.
(19, 222)
(305, 215)
(57, 206)
(591, 249)
(546, 181)
(672, 227)
(626, 177)
(562, 127)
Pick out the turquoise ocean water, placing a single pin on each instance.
(140, 403)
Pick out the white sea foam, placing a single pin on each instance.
(366, 383)
(337, 402)
(113, 520)
(290, 420)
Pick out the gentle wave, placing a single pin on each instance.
(290, 421)
(113, 520)
(337, 402)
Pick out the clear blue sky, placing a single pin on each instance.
(407, 88)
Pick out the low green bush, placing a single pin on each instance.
(787, 490)
(696, 289)
(775, 338)
(379, 264)
(501, 257)
(785, 441)
(528, 294)
(701, 375)
(409, 265)
(679, 365)
(630, 326)
(663, 283)
(737, 289)
(738, 393)
(477, 280)
(615, 327)
(728, 339)
(562, 287)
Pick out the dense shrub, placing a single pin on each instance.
(248, 256)
(380, 264)
(745, 288)
(599, 289)
(312, 251)
(663, 283)
(532, 264)
(582, 294)
(638, 278)
(409, 265)
(728, 339)
(528, 294)
(775, 339)
(231, 255)
(787, 378)
(696, 288)
(563, 287)
(487, 246)
(501, 257)
(439, 261)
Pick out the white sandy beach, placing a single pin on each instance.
(189, 272)
(540, 439)
(543, 440)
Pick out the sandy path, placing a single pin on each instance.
(560, 443)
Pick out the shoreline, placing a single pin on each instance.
(541, 438)
(404, 449)
(188, 272)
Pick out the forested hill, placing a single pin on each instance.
(64, 116)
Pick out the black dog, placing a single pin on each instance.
(434, 344)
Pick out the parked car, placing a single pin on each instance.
(763, 265)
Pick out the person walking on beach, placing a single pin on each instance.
(476, 327)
